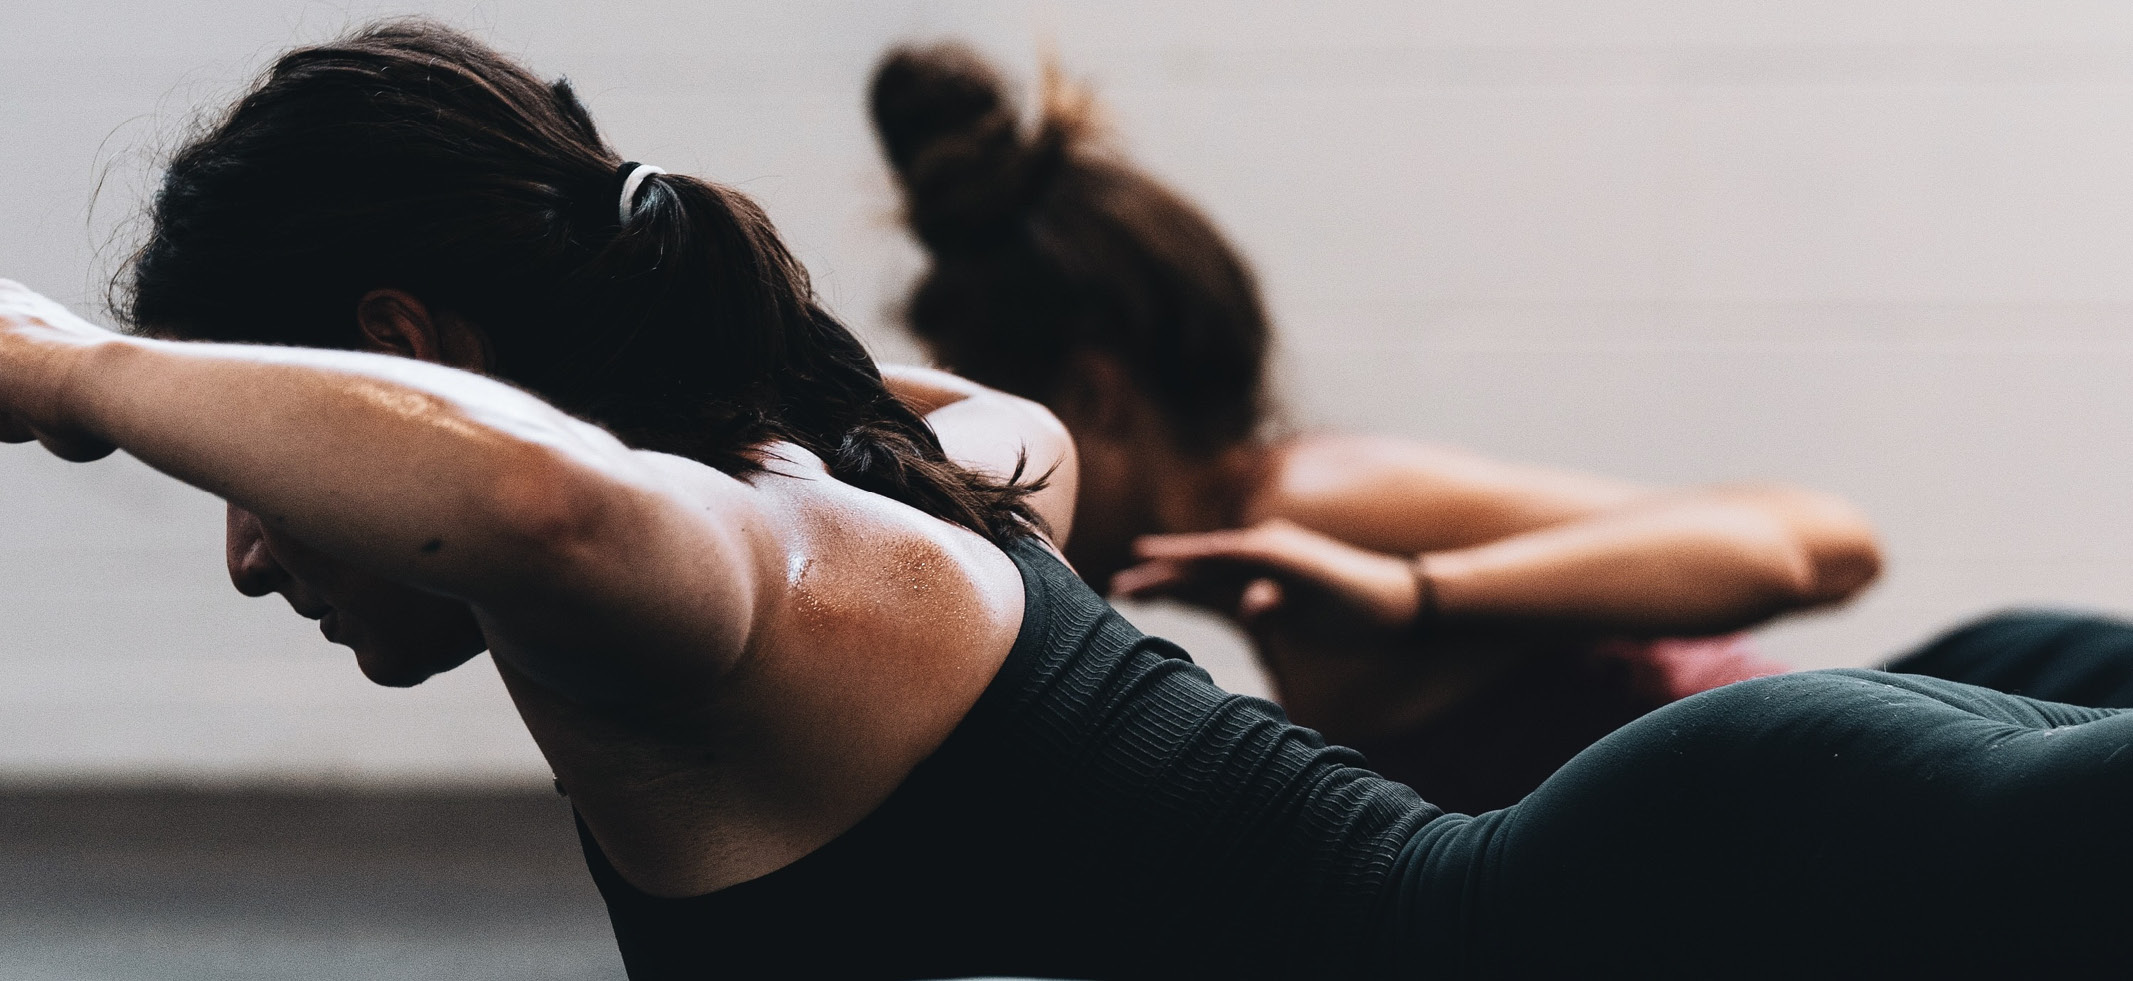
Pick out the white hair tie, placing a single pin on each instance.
(636, 172)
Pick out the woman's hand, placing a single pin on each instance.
(40, 344)
(1277, 570)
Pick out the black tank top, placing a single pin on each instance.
(1104, 811)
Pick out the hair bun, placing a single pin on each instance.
(956, 143)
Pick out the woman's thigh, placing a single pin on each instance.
(1834, 822)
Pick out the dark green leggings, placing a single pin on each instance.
(2055, 655)
(1828, 823)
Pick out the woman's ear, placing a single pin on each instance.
(395, 322)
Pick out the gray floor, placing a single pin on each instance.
(184, 884)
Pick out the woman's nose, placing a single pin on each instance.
(253, 569)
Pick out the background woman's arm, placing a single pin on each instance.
(1504, 543)
(1691, 562)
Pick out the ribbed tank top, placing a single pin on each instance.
(1103, 811)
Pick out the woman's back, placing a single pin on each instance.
(1102, 811)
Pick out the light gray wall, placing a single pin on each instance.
(1877, 246)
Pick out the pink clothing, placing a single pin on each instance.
(1677, 667)
(1493, 748)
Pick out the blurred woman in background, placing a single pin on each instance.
(1516, 613)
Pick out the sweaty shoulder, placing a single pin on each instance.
(1404, 496)
(864, 568)
(828, 546)
(879, 601)
(841, 573)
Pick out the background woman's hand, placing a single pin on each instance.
(1277, 570)
(41, 344)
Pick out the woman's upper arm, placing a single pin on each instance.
(657, 590)
(1398, 496)
(998, 434)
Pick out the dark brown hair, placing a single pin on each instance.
(411, 156)
(1044, 245)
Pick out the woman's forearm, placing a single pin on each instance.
(434, 476)
(1698, 563)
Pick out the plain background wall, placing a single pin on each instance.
(1876, 246)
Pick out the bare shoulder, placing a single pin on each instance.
(877, 627)
(825, 553)
(862, 572)
(1404, 495)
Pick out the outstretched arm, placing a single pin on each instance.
(993, 432)
(427, 475)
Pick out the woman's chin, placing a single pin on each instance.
(393, 672)
(404, 658)
(399, 669)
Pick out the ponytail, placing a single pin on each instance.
(811, 382)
